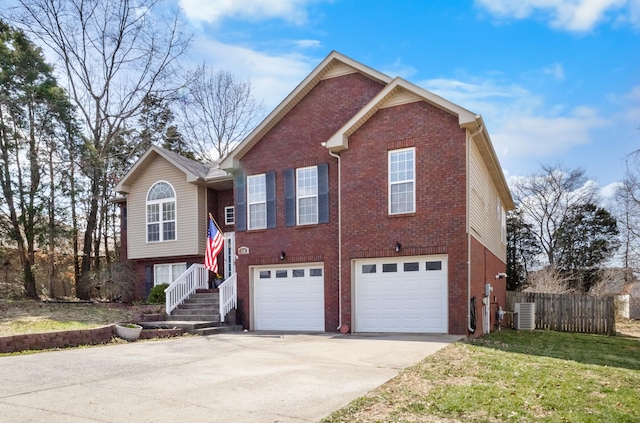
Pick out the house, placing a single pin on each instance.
(362, 203)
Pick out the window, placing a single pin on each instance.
(434, 265)
(257, 201)
(229, 215)
(307, 195)
(368, 268)
(412, 267)
(161, 213)
(168, 273)
(402, 181)
(315, 272)
(265, 274)
(298, 273)
(390, 268)
(281, 273)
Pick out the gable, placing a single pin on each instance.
(333, 66)
(193, 171)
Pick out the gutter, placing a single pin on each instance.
(337, 156)
(469, 141)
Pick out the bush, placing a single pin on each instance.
(114, 282)
(156, 295)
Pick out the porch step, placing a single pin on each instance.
(193, 327)
(200, 315)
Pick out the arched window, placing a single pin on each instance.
(161, 213)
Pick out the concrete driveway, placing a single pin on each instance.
(244, 377)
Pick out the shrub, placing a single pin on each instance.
(114, 282)
(156, 295)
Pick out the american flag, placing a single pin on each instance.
(215, 241)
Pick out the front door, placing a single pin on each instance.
(229, 254)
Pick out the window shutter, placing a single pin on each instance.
(270, 180)
(241, 201)
(323, 193)
(148, 280)
(289, 197)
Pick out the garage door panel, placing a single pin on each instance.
(402, 301)
(285, 300)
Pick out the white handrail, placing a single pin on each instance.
(228, 295)
(195, 277)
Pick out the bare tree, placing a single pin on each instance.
(548, 281)
(113, 53)
(546, 199)
(217, 111)
(628, 211)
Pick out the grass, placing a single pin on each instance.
(27, 316)
(539, 376)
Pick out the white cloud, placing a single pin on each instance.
(400, 69)
(608, 192)
(521, 124)
(308, 43)
(556, 70)
(293, 11)
(273, 76)
(568, 15)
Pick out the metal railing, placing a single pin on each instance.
(228, 296)
(195, 277)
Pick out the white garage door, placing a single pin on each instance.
(407, 294)
(289, 298)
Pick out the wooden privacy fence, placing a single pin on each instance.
(568, 312)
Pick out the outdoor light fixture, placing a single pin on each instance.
(282, 255)
(398, 246)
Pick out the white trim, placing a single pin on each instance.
(160, 219)
(229, 254)
(404, 181)
(263, 176)
(228, 221)
(300, 197)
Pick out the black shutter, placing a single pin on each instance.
(289, 197)
(148, 280)
(270, 181)
(241, 201)
(323, 193)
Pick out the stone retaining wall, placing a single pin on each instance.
(73, 338)
(70, 338)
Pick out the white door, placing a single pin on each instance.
(229, 254)
(407, 294)
(289, 297)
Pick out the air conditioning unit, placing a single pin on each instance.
(524, 316)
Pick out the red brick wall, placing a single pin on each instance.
(484, 267)
(295, 142)
(437, 226)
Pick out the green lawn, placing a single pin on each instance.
(539, 376)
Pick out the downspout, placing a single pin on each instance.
(469, 141)
(337, 156)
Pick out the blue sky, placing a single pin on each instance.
(557, 81)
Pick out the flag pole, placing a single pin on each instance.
(216, 223)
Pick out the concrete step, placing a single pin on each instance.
(218, 329)
(189, 306)
(194, 327)
(194, 317)
(194, 311)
